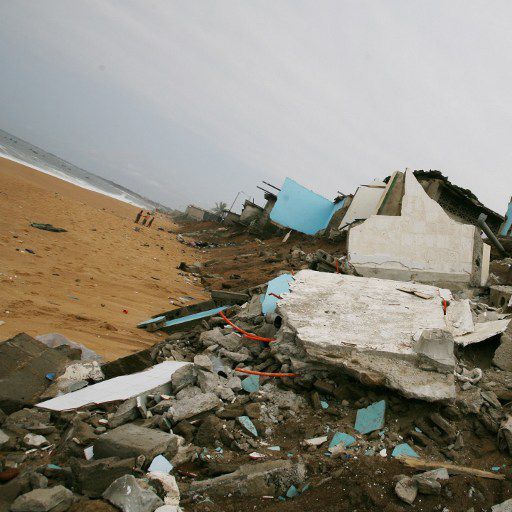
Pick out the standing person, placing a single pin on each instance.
(151, 220)
(139, 215)
(145, 218)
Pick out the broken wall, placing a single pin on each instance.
(506, 227)
(422, 244)
(365, 202)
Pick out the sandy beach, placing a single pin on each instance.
(79, 282)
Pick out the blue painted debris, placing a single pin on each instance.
(195, 316)
(401, 450)
(341, 438)
(506, 227)
(324, 404)
(246, 422)
(371, 418)
(151, 321)
(160, 463)
(292, 492)
(301, 209)
(50, 376)
(278, 285)
(274, 448)
(251, 384)
(495, 469)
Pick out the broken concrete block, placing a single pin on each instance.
(127, 494)
(4, 438)
(254, 480)
(407, 489)
(247, 425)
(131, 441)
(435, 350)
(364, 327)
(185, 409)
(483, 331)
(204, 362)
(403, 450)
(165, 486)
(251, 384)
(35, 440)
(183, 377)
(506, 506)
(427, 485)
(503, 354)
(125, 413)
(43, 500)
(92, 477)
(341, 438)
(371, 418)
(316, 441)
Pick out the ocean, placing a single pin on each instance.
(18, 150)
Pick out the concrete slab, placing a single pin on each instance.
(483, 331)
(118, 388)
(366, 327)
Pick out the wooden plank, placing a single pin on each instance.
(451, 468)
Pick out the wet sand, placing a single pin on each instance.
(78, 283)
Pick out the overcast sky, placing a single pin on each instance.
(193, 101)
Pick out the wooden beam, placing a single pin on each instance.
(412, 462)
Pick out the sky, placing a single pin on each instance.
(195, 101)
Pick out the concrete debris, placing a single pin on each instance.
(127, 494)
(260, 479)
(407, 489)
(506, 506)
(165, 486)
(371, 418)
(43, 500)
(379, 323)
(54, 340)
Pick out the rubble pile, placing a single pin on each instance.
(367, 377)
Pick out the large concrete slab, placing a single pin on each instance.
(422, 244)
(372, 328)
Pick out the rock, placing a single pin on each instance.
(165, 486)
(506, 506)
(38, 481)
(254, 480)
(4, 438)
(427, 485)
(127, 494)
(234, 383)
(503, 354)
(35, 440)
(183, 377)
(32, 420)
(208, 434)
(131, 441)
(43, 500)
(435, 474)
(185, 409)
(253, 410)
(125, 413)
(92, 477)
(213, 337)
(203, 362)
(185, 394)
(407, 490)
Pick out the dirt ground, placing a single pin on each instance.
(79, 283)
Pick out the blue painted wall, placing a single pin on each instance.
(301, 209)
(508, 221)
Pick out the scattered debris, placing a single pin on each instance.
(47, 227)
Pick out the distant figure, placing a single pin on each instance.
(145, 218)
(151, 221)
(139, 215)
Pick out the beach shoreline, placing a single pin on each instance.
(92, 283)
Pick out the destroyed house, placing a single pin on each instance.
(200, 214)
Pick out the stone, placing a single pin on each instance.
(435, 474)
(427, 485)
(4, 438)
(503, 354)
(131, 440)
(254, 480)
(506, 506)
(43, 500)
(125, 413)
(316, 441)
(185, 393)
(127, 494)
(435, 350)
(35, 440)
(185, 409)
(38, 481)
(204, 362)
(407, 490)
(92, 477)
(208, 433)
(183, 377)
(165, 486)
(371, 418)
(253, 410)
(372, 338)
(33, 420)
